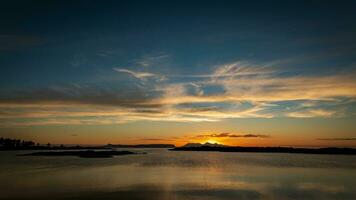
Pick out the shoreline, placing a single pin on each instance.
(81, 154)
(328, 150)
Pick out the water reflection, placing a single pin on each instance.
(179, 175)
(148, 192)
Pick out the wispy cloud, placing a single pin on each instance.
(230, 135)
(79, 95)
(309, 113)
(235, 69)
(248, 92)
(138, 75)
(244, 82)
(156, 139)
(150, 60)
(336, 139)
(271, 88)
(141, 75)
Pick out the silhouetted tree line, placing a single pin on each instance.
(15, 143)
(8, 144)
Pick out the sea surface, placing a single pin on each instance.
(163, 174)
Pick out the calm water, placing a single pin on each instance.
(162, 174)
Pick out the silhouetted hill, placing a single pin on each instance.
(330, 150)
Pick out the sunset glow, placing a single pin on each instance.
(178, 99)
(167, 79)
(212, 142)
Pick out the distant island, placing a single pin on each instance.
(223, 148)
(140, 146)
(82, 154)
(9, 144)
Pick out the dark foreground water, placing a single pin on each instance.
(162, 174)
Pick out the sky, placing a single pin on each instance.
(250, 73)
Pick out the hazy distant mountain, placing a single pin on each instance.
(207, 144)
(192, 145)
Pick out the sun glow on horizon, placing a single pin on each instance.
(212, 141)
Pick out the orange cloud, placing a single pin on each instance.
(230, 135)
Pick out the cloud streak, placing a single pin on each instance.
(149, 60)
(156, 139)
(142, 76)
(138, 75)
(315, 113)
(247, 92)
(337, 139)
(230, 135)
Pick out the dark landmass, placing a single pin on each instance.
(330, 150)
(82, 154)
(2, 148)
(8, 144)
(140, 146)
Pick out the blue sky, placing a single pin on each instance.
(114, 63)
